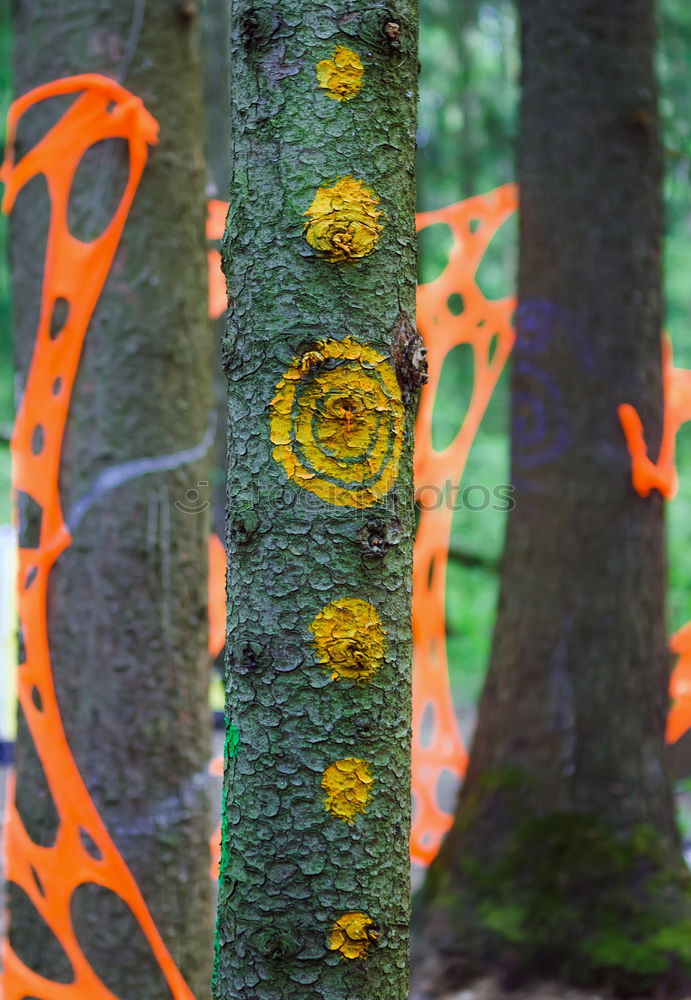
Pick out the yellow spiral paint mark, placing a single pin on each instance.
(343, 220)
(349, 638)
(341, 75)
(347, 785)
(337, 423)
(353, 935)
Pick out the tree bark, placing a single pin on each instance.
(323, 365)
(564, 858)
(127, 600)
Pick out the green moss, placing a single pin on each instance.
(578, 902)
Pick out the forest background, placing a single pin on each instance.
(466, 139)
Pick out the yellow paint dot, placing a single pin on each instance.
(349, 638)
(353, 935)
(347, 785)
(341, 75)
(343, 221)
(337, 423)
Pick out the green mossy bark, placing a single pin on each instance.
(289, 868)
(127, 602)
(564, 858)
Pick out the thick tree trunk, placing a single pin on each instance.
(323, 364)
(563, 858)
(127, 600)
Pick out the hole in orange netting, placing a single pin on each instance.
(37, 121)
(455, 303)
(31, 214)
(30, 517)
(37, 439)
(434, 249)
(427, 726)
(137, 973)
(430, 572)
(58, 318)
(496, 275)
(97, 188)
(453, 395)
(37, 881)
(21, 646)
(36, 698)
(89, 844)
(447, 790)
(33, 797)
(32, 939)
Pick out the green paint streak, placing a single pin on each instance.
(232, 744)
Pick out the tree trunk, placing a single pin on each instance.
(127, 600)
(323, 365)
(564, 857)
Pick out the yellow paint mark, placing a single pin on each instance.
(347, 785)
(341, 75)
(353, 935)
(343, 220)
(337, 423)
(349, 638)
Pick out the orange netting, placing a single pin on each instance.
(75, 272)
(217, 596)
(485, 325)
(646, 476)
(437, 745)
(661, 475)
(215, 224)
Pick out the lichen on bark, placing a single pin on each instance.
(320, 511)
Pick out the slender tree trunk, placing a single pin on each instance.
(323, 365)
(564, 858)
(127, 600)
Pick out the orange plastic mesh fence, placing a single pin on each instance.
(437, 745)
(485, 325)
(74, 275)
